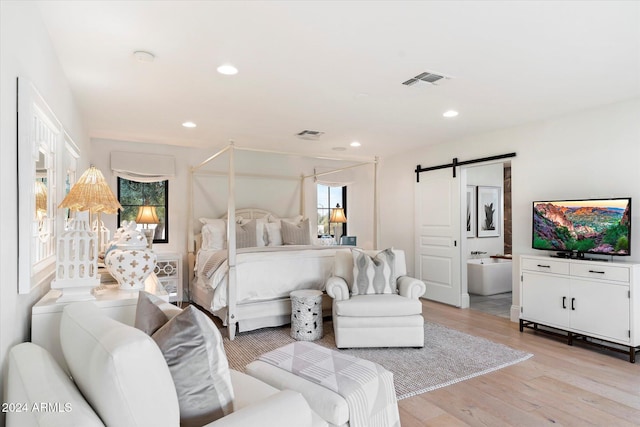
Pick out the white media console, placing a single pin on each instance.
(594, 301)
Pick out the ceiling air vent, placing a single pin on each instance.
(311, 135)
(426, 77)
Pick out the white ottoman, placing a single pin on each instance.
(306, 315)
(328, 404)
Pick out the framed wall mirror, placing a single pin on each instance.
(40, 139)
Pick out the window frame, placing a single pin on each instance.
(343, 206)
(166, 207)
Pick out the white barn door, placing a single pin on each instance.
(438, 235)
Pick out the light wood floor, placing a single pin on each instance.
(561, 385)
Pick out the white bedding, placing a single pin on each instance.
(267, 273)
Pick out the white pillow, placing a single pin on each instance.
(214, 234)
(274, 234)
(261, 232)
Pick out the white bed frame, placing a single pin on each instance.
(267, 313)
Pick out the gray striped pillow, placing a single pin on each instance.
(296, 234)
(374, 275)
(246, 235)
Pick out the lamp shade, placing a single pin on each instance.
(337, 215)
(91, 193)
(147, 215)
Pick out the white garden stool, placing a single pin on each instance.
(306, 315)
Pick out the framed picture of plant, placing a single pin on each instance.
(472, 217)
(489, 211)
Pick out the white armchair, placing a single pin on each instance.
(380, 320)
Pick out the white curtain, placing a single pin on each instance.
(143, 167)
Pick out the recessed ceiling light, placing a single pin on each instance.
(144, 56)
(355, 144)
(450, 113)
(189, 124)
(227, 70)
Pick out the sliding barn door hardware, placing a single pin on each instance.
(455, 163)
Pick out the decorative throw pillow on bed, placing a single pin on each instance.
(374, 275)
(274, 233)
(214, 234)
(273, 228)
(296, 234)
(246, 235)
(261, 232)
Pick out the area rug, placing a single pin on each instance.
(448, 356)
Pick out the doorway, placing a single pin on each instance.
(487, 254)
(444, 246)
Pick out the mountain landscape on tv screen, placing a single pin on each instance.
(593, 229)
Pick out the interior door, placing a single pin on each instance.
(438, 235)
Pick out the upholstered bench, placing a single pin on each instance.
(342, 389)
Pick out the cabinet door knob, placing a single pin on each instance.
(564, 301)
(544, 266)
(573, 300)
(594, 271)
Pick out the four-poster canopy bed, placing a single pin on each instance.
(244, 269)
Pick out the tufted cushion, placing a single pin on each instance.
(119, 369)
(374, 274)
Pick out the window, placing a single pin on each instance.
(328, 198)
(132, 195)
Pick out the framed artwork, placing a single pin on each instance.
(489, 211)
(472, 217)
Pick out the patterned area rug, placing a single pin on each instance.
(448, 356)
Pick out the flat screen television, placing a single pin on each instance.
(592, 226)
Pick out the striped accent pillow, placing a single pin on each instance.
(246, 235)
(374, 275)
(296, 234)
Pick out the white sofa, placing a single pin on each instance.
(122, 379)
(382, 320)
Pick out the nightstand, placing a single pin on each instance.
(114, 302)
(169, 272)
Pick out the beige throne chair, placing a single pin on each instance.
(365, 316)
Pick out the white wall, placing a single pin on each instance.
(486, 175)
(593, 153)
(25, 51)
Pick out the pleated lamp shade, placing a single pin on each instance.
(337, 215)
(91, 193)
(147, 215)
